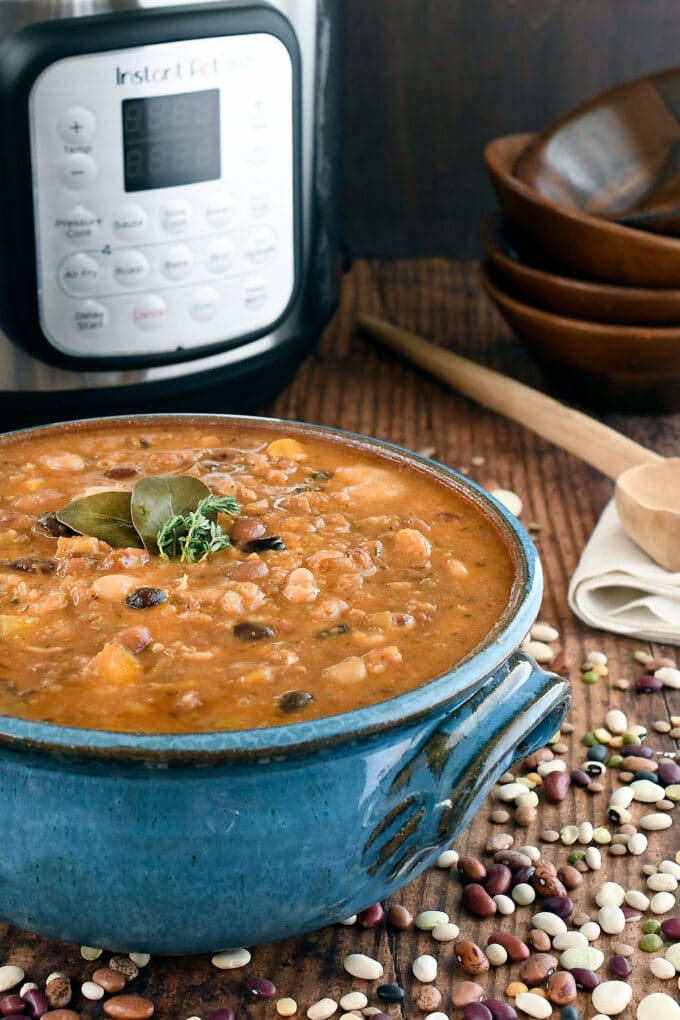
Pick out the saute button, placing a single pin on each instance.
(176, 262)
(149, 312)
(254, 293)
(130, 267)
(130, 222)
(219, 209)
(220, 255)
(175, 216)
(77, 124)
(260, 246)
(204, 304)
(78, 226)
(77, 171)
(79, 273)
(90, 317)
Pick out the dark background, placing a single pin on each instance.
(428, 82)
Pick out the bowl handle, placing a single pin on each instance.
(441, 785)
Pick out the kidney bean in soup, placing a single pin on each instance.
(302, 578)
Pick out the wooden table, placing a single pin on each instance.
(347, 382)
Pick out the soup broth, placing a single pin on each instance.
(348, 578)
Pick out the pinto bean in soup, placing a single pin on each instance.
(336, 578)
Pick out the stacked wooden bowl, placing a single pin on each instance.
(584, 262)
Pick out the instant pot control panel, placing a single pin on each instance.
(164, 193)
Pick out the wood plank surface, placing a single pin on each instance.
(347, 382)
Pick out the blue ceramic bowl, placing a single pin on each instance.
(196, 842)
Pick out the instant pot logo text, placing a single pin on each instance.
(198, 68)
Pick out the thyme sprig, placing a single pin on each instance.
(192, 537)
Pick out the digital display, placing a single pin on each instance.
(171, 140)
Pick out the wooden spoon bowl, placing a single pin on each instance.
(589, 246)
(524, 271)
(648, 501)
(616, 155)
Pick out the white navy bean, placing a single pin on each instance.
(658, 1006)
(668, 676)
(582, 956)
(585, 833)
(670, 868)
(622, 796)
(532, 852)
(538, 650)
(655, 822)
(610, 894)
(510, 791)
(567, 939)
(568, 834)
(616, 721)
(593, 858)
(662, 902)
(92, 991)
(424, 968)
(611, 919)
(523, 894)
(551, 924)
(661, 968)
(447, 860)
(429, 919)
(497, 955)
(504, 905)
(446, 932)
(591, 930)
(637, 900)
(637, 844)
(673, 955)
(361, 966)
(231, 959)
(436, 1016)
(533, 1005)
(10, 977)
(353, 1000)
(612, 997)
(544, 632)
(322, 1010)
(596, 659)
(646, 792)
(140, 959)
(556, 765)
(662, 882)
(349, 921)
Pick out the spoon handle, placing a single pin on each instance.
(597, 444)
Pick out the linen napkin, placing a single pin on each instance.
(617, 587)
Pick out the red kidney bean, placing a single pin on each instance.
(555, 786)
(471, 870)
(514, 947)
(648, 684)
(498, 879)
(36, 1002)
(477, 1011)
(621, 966)
(477, 900)
(372, 916)
(500, 1010)
(522, 875)
(584, 978)
(11, 1004)
(670, 928)
(261, 988)
(225, 1013)
(560, 905)
(669, 773)
(580, 778)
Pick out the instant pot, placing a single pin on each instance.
(170, 200)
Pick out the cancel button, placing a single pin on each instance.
(90, 317)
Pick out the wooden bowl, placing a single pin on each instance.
(620, 368)
(544, 285)
(615, 155)
(589, 246)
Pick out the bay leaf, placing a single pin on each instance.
(104, 515)
(157, 498)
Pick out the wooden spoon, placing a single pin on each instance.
(647, 485)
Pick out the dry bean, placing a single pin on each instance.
(10, 977)
(477, 901)
(612, 997)
(561, 988)
(516, 949)
(662, 902)
(399, 917)
(537, 969)
(445, 932)
(129, 1007)
(361, 966)
(229, 959)
(425, 968)
(427, 998)
(353, 1000)
(470, 957)
(429, 919)
(464, 992)
(539, 940)
(534, 1005)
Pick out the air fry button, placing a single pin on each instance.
(79, 274)
(149, 312)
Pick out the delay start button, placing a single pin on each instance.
(90, 317)
(149, 312)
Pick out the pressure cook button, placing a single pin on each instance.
(79, 274)
(130, 267)
(176, 262)
(76, 125)
(254, 293)
(130, 222)
(176, 216)
(77, 171)
(219, 209)
(260, 246)
(149, 312)
(78, 226)
(90, 317)
(220, 255)
(204, 304)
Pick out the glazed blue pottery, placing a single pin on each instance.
(197, 842)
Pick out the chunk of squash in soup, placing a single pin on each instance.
(293, 577)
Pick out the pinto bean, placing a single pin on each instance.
(249, 570)
(245, 529)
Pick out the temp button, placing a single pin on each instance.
(77, 171)
(76, 125)
(79, 274)
(90, 318)
(149, 312)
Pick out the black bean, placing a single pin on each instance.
(257, 545)
(599, 752)
(390, 993)
(293, 701)
(54, 527)
(248, 631)
(144, 598)
(120, 472)
(27, 565)
(340, 628)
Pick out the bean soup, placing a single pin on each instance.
(158, 576)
